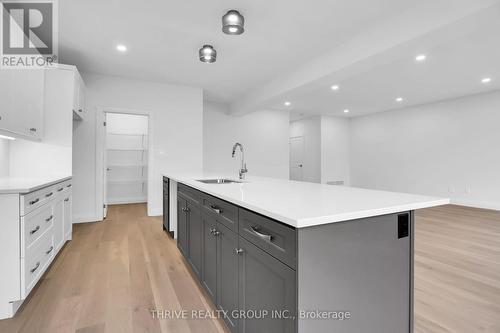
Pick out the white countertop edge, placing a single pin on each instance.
(27, 189)
(315, 221)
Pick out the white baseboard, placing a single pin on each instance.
(85, 219)
(125, 201)
(476, 204)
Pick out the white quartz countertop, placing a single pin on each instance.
(10, 185)
(302, 204)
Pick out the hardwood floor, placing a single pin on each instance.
(113, 272)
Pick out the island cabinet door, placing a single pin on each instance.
(209, 270)
(182, 226)
(195, 234)
(267, 292)
(227, 275)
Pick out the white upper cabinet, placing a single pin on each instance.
(21, 102)
(79, 97)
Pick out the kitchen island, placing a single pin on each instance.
(284, 256)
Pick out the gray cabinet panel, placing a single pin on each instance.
(360, 266)
(182, 227)
(225, 212)
(195, 234)
(227, 274)
(265, 283)
(209, 271)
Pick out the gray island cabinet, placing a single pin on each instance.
(267, 276)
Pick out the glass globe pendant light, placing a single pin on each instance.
(233, 23)
(208, 54)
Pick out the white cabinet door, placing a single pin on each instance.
(21, 102)
(58, 222)
(68, 223)
(79, 97)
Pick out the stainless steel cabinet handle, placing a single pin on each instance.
(32, 129)
(238, 251)
(265, 237)
(216, 233)
(80, 110)
(32, 202)
(35, 230)
(35, 268)
(68, 185)
(216, 209)
(49, 218)
(50, 250)
(67, 199)
(60, 189)
(49, 194)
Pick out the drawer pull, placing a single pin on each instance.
(35, 268)
(49, 218)
(68, 185)
(67, 199)
(50, 250)
(32, 202)
(35, 230)
(60, 189)
(216, 209)
(265, 237)
(238, 251)
(49, 194)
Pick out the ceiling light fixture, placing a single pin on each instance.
(208, 54)
(335, 87)
(6, 137)
(399, 99)
(486, 80)
(121, 48)
(287, 103)
(421, 57)
(346, 111)
(233, 23)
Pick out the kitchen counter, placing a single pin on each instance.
(21, 185)
(302, 204)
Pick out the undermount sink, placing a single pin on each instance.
(218, 181)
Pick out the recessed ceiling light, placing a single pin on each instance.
(287, 103)
(486, 80)
(233, 23)
(121, 47)
(335, 87)
(421, 57)
(207, 54)
(399, 99)
(346, 111)
(6, 137)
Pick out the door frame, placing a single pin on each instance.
(290, 151)
(100, 141)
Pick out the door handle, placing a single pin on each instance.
(50, 250)
(32, 202)
(49, 194)
(265, 237)
(35, 268)
(216, 209)
(49, 218)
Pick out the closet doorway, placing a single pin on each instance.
(126, 155)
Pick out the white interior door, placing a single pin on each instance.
(296, 158)
(106, 170)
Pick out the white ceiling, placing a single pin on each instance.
(452, 69)
(163, 38)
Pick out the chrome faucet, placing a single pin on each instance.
(243, 170)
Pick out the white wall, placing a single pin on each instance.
(310, 130)
(4, 158)
(449, 149)
(263, 134)
(335, 142)
(176, 114)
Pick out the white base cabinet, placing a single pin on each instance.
(35, 226)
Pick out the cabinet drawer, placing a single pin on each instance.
(31, 201)
(37, 259)
(34, 225)
(62, 187)
(190, 193)
(271, 236)
(225, 212)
